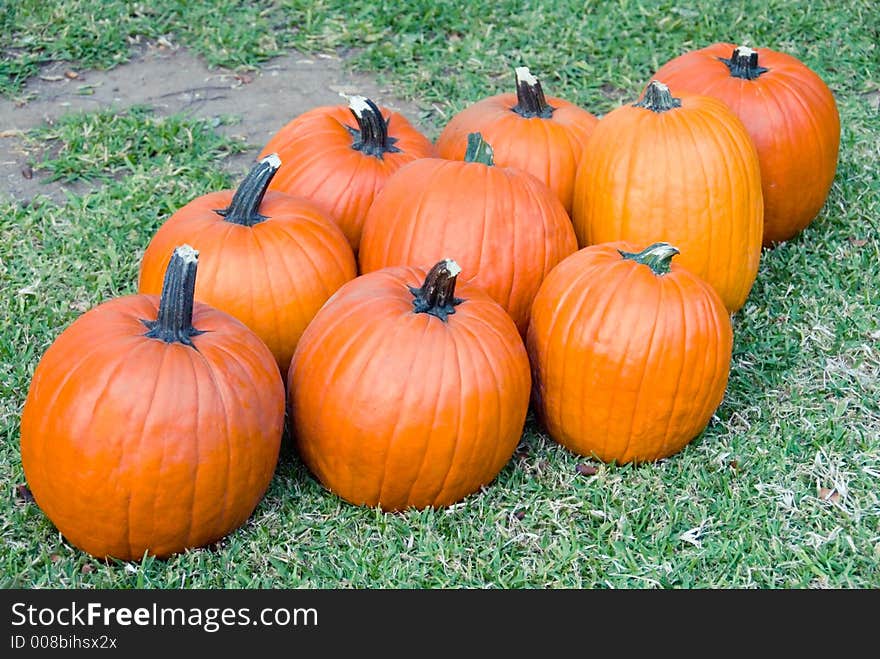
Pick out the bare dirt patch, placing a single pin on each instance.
(178, 81)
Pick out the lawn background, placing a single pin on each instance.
(780, 491)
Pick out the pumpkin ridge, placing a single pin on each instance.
(633, 163)
(645, 360)
(597, 316)
(596, 320)
(243, 410)
(698, 142)
(502, 413)
(806, 110)
(224, 507)
(100, 394)
(134, 456)
(664, 444)
(427, 443)
(360, 338)
(437, 498)
(282, 265)
(371, 343)
(92, 349)
(268, 281)
(191, 505)
(747, 151)
(721, 138)
(624, 284)
(710, 323)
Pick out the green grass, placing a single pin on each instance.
(783, 488)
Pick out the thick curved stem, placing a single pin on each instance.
(743, 63)
(245, 206)
(658, 257)
(658, 98)
(371, 137)
(437, 294)
(479, 150)
(174, 320)
(530, 101)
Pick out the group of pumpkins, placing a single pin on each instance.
(153, 423)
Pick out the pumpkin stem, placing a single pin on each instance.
(657, 98)
(743, 63)
(437, 295)
(371, 137)
(530, 101)
(479, 150)
(658, 257)
(174, 320)
(245, 205)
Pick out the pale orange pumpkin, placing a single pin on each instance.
(680, 170)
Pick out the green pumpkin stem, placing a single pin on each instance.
(530, 101)
(245, 206)
(479, 150)
(437, 294)
(743, 63)
(371, 136)
(657, 98)
(174, 321)
(658, 257)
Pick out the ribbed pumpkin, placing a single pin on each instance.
(152, 425)
(680, 170)
(271, 261)
(630, 354)
(340, 157)
(405, 395)
(543, 136)
(503, 226)
(790, 115)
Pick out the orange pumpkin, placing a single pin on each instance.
(630, 354)
(408, 397)
(681, 170)
(505, 227)
(269, 261)
(542, 136)
(790, 115)
(152, 424)
(340, 163)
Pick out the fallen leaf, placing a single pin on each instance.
(24, 493)
(31, 289)
(827, 494)
(27, 171)
(857, 242)
(244, 78)
(72, 75)
(88, 568)
(54, 558)
(733, 464)
(586, 470)
(51, 78)
(80, 306)
(519, 514)
(11, 132)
